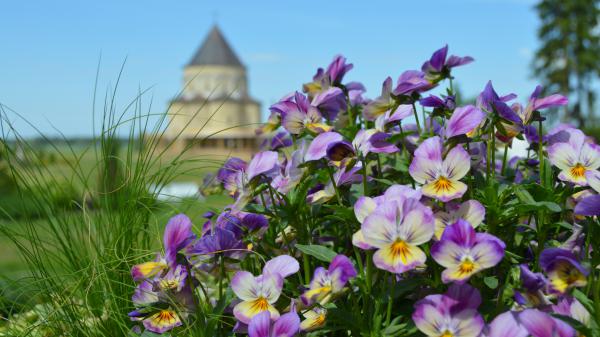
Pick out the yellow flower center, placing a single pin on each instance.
(447, 334)
(573, 276)
(400, 248)
(260, 305)
(168, 284)
(164, 317)
(442, 184)
(466, 267)
(578, 171)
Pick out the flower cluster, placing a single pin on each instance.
(391, 216)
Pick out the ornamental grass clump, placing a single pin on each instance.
(399, 215)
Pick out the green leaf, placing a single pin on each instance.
(491, 282)
(320, 252)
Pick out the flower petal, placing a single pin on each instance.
(260, 325)
(454, 189)
(399, 261)
(457, 163)
(318, 147)
(287, 325)
(363, 207)
(244, 285)
(246, 310)
(178, 234)
(417, 226)
(262, 162)
(472, 211)
(283, 265)
(464, 120)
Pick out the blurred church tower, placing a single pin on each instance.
(214, 113)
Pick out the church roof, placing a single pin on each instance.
(215, 51)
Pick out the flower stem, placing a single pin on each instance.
(416, 118)
(306, 264)
(335, 187)
(369, 271)
(365, 186)
(504, 157)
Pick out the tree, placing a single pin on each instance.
(568, 60)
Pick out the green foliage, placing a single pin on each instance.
(568, 60)
(80, 229)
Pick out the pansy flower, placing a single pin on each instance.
(343, 176)
(291, 174)
(463, 121)
(440, 176)
(563, 269)
(411, 82)
(574, 157)
(364, 206)
(439, 65)
(326, 283)
(386, 104)
(314, 319)
(453, 314)
(286, 326)
(532, 286)
(529, 322)
(299, 115)
(471, 211)
(160, 311)
(396, 228)
(325, 78)
(590, 205)
(463, 252)
(571, 307)
(259, 293)
(177, 236)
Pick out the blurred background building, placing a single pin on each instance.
(215, 114)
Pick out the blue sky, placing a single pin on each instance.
(50, 49)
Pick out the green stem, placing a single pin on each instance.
(369, 271)
(493, 163)
(335, 188)
(504, 157)
(416, 118)
(306, 264)
(221, 275)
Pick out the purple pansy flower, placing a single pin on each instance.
(364, 206)
(440, 178)
(463, 121)
(327, 283)
(259, 293)
(563, 269)
(438, 65)
(410, 82)
(343, 176)
(384, 104)
(396, 228)
(463, 252)
(446, 102)
(286, 326)
(177, 236)
(590, 205)
(471, 211)
(318, 147)
(450, 315)
(574, 157)
(299, 115)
